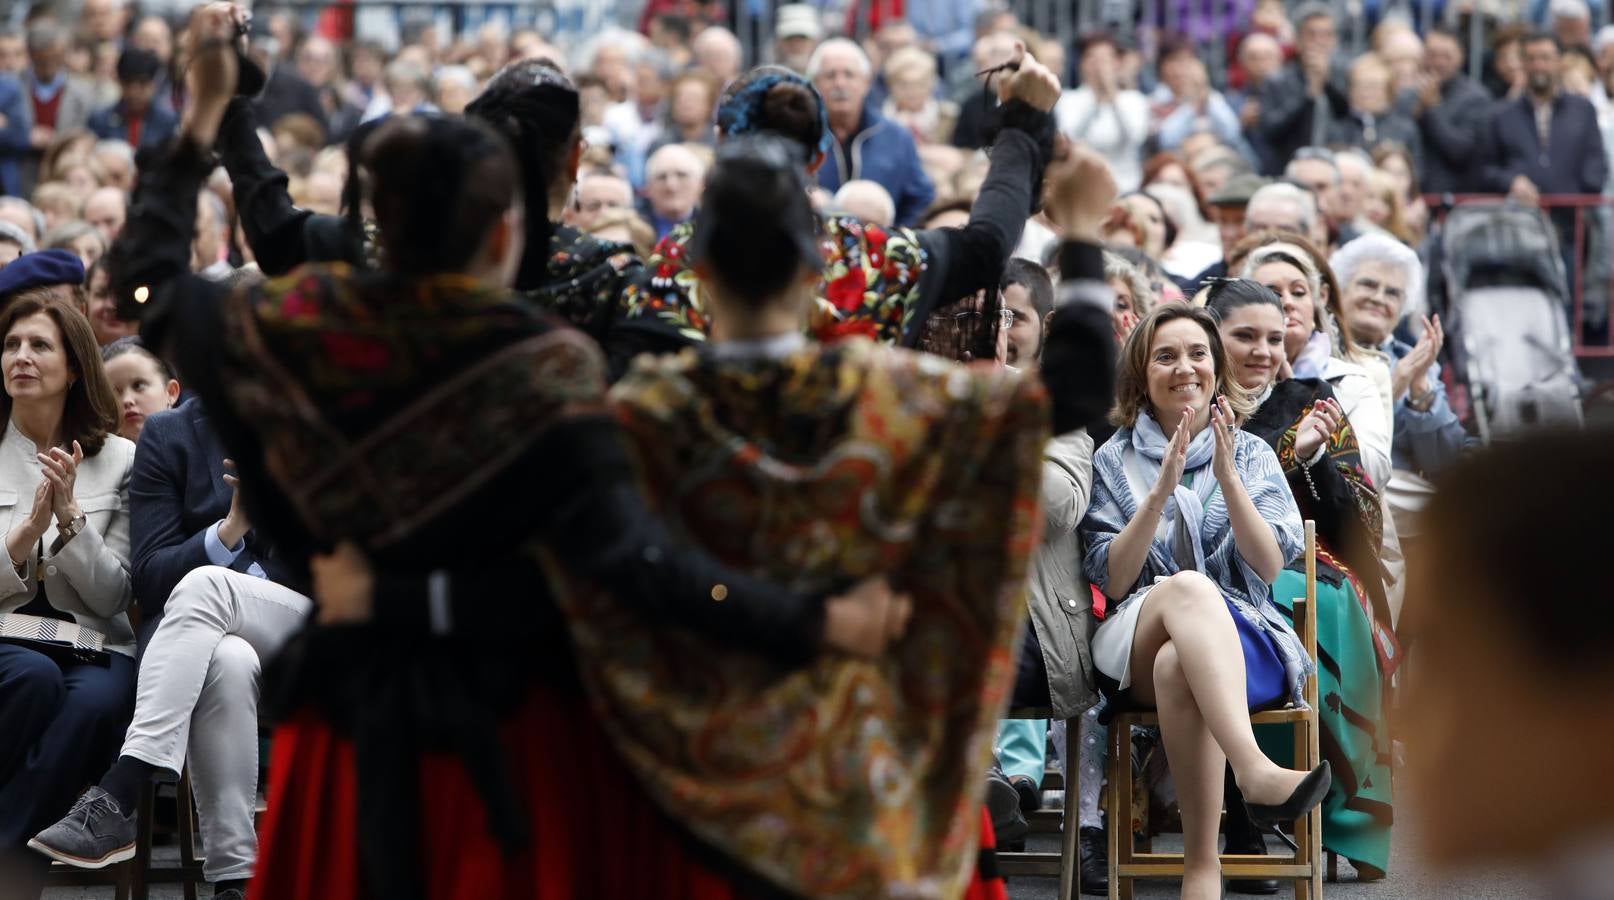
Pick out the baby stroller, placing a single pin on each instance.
(1507, 293)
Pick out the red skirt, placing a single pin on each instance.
(595, 834)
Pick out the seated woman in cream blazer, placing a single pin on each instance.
(64, 505)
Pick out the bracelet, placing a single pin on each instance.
(1305, 469)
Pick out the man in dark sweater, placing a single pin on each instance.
(1453, 112)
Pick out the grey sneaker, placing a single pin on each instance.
(231, 894)
(94, 834)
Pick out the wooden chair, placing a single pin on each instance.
(1066, 863)
(1305, 868)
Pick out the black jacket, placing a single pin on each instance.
(1573, 161)
(1454, 138)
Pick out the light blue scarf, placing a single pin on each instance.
(1313, 360)
(1149, 445)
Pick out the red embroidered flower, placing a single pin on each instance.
(846, 292)
(296, 305)
(876, 236)
(831, 332)
(357, 353)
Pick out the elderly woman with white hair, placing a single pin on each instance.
(1382, 285)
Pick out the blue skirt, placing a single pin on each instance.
(1265, 684)
(1264, 680)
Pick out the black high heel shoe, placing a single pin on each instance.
(1310, 792)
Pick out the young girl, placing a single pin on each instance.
(143, 384)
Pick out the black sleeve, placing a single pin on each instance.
(596, 524)
(1079, 353)
(282, 237)
(965, 260)
(154, 247)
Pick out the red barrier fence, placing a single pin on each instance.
(1591, 274)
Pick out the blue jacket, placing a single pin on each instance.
(13, 134)
(883, 152)
(177, 495)
(1574, 162)
(1424, 442)
(159, 125)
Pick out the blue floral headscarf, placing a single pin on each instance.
(740, 109)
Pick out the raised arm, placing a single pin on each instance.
(964, 260)
(282, 236)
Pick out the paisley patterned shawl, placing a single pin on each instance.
(382, 403)
(848, 778)
(870, 285)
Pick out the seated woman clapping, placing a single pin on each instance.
(1317, 447)
(1190, 520)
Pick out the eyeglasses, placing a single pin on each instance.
(1005, 316)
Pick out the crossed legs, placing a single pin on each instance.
(1188, 663)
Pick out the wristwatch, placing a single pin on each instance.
(72, 528)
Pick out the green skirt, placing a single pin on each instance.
(1357, 813)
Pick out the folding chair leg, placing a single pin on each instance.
(1119, 817)
(1333, 866)
(1070, 857)
(142, 858)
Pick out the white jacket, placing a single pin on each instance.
(89, 577)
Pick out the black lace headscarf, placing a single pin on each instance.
(537, 109)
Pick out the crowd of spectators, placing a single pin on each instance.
(1315, 177)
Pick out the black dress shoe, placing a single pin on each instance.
(1095, 862)
(1244, 838)
(1030, 794)
(1009, 825)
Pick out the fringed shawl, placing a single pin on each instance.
(847, 778)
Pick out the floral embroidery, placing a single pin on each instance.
(870, 282)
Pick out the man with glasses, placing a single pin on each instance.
(596, 197)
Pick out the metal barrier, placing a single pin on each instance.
(1584, 219)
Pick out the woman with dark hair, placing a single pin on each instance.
(1318, 452)
(817, 462)
(101, 309)
(67, 667)
(1185, 531)
(877, 282)
(441, 725)
(536, 107)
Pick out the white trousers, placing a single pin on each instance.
(197, 697)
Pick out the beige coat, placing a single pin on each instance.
(89, 577)
(1061, 604)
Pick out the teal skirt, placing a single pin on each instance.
(1357, 814)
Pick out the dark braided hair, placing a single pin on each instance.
(536, 107)
(437, 185)
(1228, 294)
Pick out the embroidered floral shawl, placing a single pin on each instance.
(848, 778)
(870, 285)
